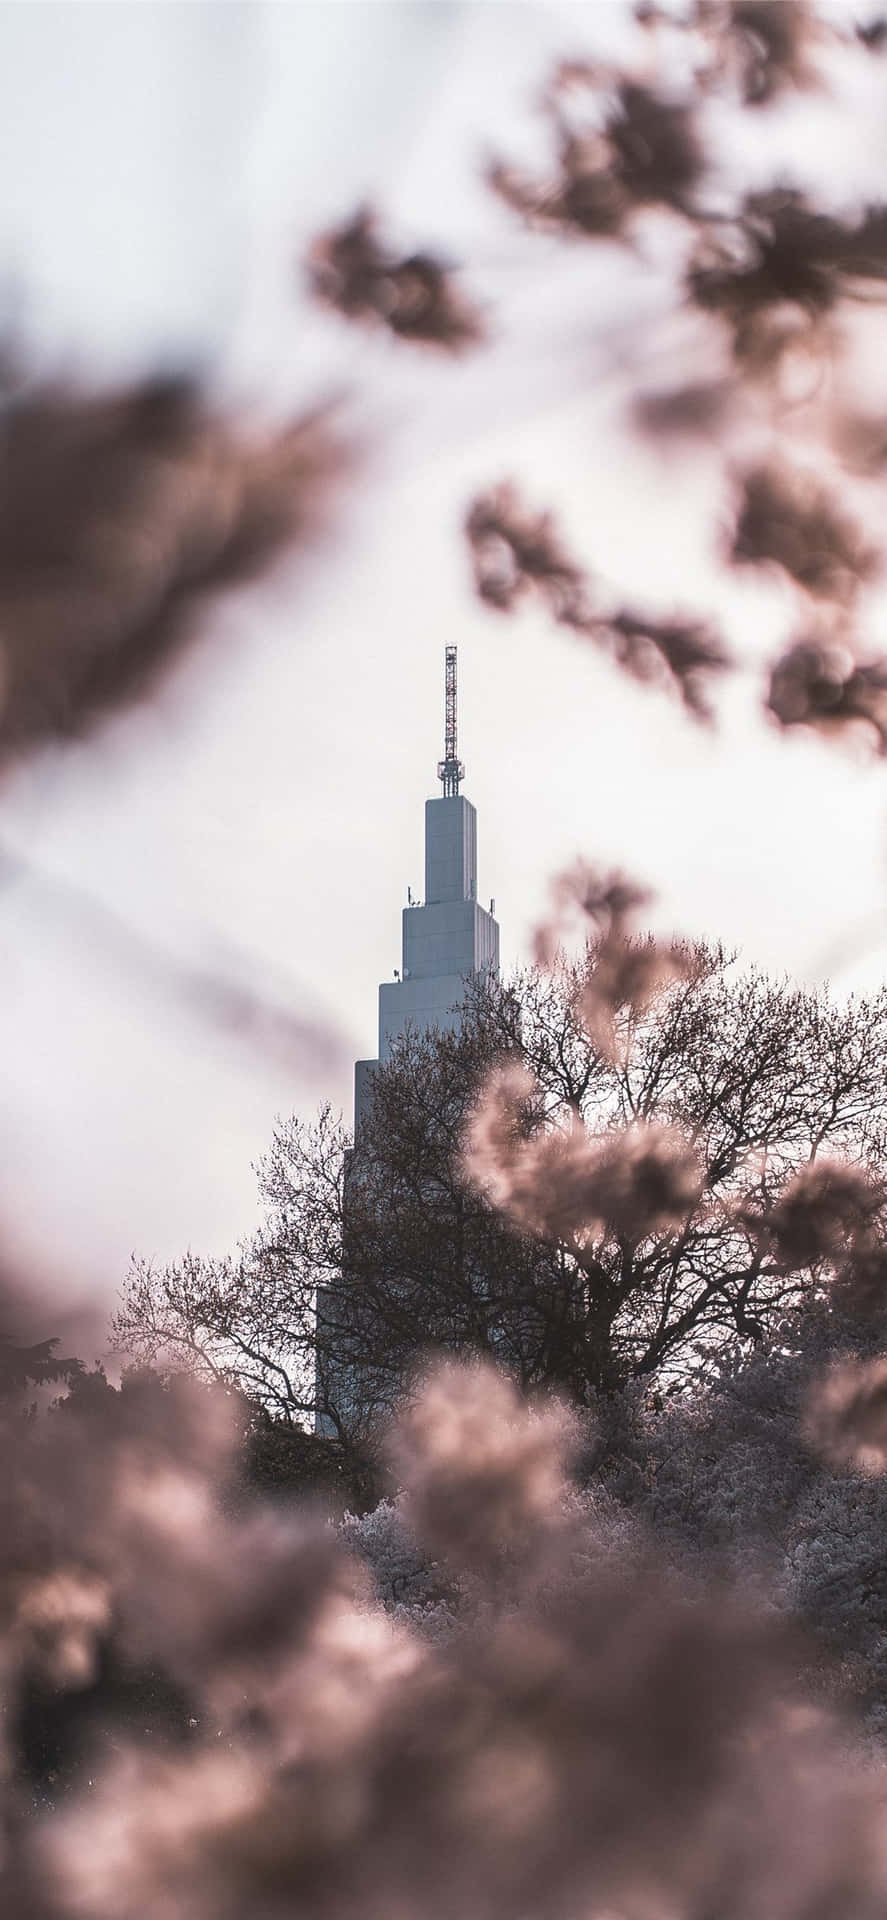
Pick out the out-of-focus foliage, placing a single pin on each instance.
(636, 149)
(259, 1735)
(515, 552)
(415, 297)
(741, 1478)
(818, 683)
(120, 513)
(36, 1366)
(766, 284)
(597, 1179)
(764, 281)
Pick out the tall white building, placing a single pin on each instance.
(449, 936)
(445, 940)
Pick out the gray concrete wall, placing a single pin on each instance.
(444, 942)
(363, 1074)
(439, 939)
(419, 1004)
(450, 849)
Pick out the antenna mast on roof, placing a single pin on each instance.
(450, 769)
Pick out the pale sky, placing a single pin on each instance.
(161, 168)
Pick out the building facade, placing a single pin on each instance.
(445, 939)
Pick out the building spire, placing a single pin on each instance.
(450, 769)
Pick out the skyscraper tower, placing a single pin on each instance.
(448, 937)
(445, 940)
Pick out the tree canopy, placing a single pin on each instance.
(646, 1233)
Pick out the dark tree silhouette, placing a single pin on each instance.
(618, 1218)
(35, 1366)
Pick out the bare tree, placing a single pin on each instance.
(248, 1319)
(637, 1235)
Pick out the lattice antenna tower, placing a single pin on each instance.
(450, 769)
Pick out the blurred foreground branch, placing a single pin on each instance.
(121, 514)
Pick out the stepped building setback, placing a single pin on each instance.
(448, 937)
